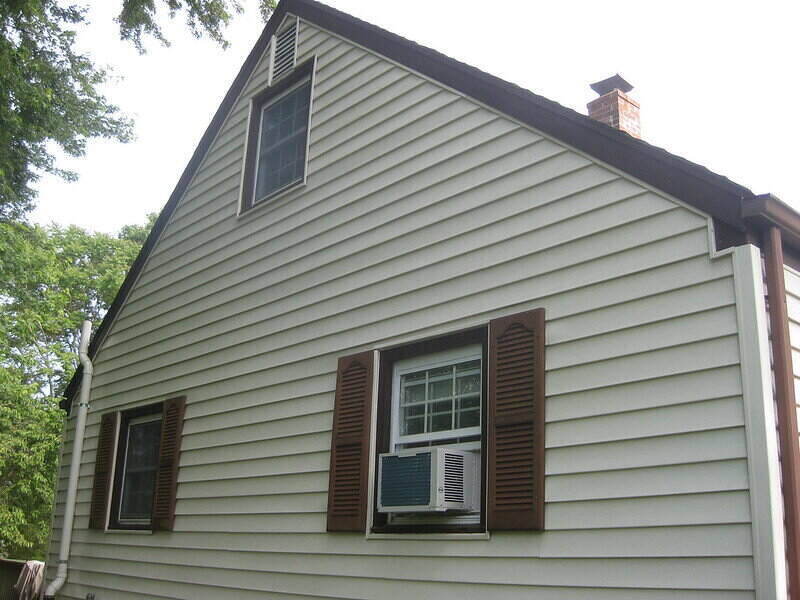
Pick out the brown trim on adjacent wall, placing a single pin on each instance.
(785, 402)
(765, 211)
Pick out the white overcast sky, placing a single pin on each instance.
(719, 83)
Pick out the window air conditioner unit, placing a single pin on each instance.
(428, 480)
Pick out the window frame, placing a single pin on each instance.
(383, 425)
(126, 419)
(285, 85)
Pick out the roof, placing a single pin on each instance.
(693, 184)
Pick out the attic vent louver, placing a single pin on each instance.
(284, 51)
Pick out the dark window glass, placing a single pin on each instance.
(282, 142)
(138, 479)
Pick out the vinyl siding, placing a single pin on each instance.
(425, 213)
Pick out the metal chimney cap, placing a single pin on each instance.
(615, 82)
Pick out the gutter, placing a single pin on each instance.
(75, 464)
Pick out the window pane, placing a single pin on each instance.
(441, 372)
(141, 461)
(442, 407)
(282, 147)
(440, 422)
(468, 384)
(413, 393)
(428, 403)
(470, 402)
(469, 418)
(473, 365)
(441, 389)
(412, 426)
(417, 410)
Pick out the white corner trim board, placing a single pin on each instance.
(762, 444)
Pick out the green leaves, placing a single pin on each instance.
(51, 279)
(50, 94)
(30, 432)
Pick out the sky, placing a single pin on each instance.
(718, 83)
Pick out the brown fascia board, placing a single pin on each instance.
(713, 194)
(764, 211)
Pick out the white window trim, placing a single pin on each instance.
(136, 421)
(432, 361)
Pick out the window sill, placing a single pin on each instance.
(130, 531)
(271, 201)
(465, 536)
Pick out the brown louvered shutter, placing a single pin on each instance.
(168, 457)
(516, 422)
(347, 484)
(102, 471)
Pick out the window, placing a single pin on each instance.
(434, 396)
(138, 448)
(428, 404)
(136, 467)
(277, 138)
(139, 469)
(282, 142)
(437, 397)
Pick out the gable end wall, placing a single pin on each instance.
(425, 213)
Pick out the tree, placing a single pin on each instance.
(30, 433)
(51, 278)
(50, 94)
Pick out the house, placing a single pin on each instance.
(387, 279)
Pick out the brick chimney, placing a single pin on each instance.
(614, 107)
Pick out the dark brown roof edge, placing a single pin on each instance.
(692, 183)
(713, 194)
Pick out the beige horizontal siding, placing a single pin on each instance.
(425, 213)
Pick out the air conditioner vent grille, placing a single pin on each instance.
(453, 477)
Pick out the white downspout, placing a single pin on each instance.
(75, 463)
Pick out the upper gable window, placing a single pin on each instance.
(282, 141)
(277, 137)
